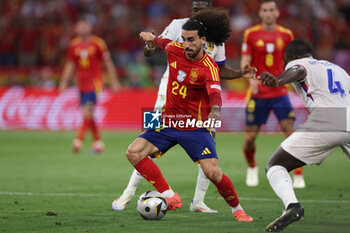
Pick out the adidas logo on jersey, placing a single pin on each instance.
(173, 64)
(206, 151)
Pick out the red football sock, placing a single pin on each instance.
(250, 157)
(94, 130)
(82, 129)
(298, 171)
(151, 172)
(227, 191)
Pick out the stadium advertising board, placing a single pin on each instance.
(42, 109)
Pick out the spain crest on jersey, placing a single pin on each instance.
(194, 75)
(280, 43)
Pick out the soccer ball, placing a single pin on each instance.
(152, 205)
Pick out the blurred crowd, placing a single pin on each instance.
(36, 33)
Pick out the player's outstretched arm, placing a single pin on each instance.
(293, 74)
(148, 52)
(226, 72)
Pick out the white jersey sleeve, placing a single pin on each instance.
(220, 57)
(325, 84)
(173, 30)
(216, 52)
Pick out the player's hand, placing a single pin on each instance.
(249, 72)
(148, 38)
(254, 85)
(215, 114)
(268, 79)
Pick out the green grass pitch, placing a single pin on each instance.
(39, 173)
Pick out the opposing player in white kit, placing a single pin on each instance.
(173, 32)
(324, 89)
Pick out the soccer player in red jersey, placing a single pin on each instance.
(173, 32)
(193, 98)
(263, 47)
(85, 54)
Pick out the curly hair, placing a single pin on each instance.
(213, 23)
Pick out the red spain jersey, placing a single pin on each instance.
(189, 86)
(87, 56)
(267, 52)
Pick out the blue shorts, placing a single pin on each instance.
(88, 97)
(258, 110)
(199, 144)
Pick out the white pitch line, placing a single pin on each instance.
(110, 195)
(301, 200)
(54, 194)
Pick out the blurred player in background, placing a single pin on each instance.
(263, 47)
(193, 93)
(85, 54)
(217, 52)
(324, 89)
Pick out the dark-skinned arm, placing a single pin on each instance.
(226, 72)
(148, 52)
(293, 74)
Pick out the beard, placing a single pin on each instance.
(190, 53)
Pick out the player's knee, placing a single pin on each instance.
(267, 167)
(88, 111)
(214, 175)
(288, 129)
(249, 137)
(270, 163)
(287, 126)
(133, 155)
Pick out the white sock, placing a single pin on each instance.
(134, 181)
(238, 207)
(201, 186)
(168, 193)
(281, 183)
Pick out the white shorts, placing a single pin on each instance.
(161, 98)
(314, 147)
